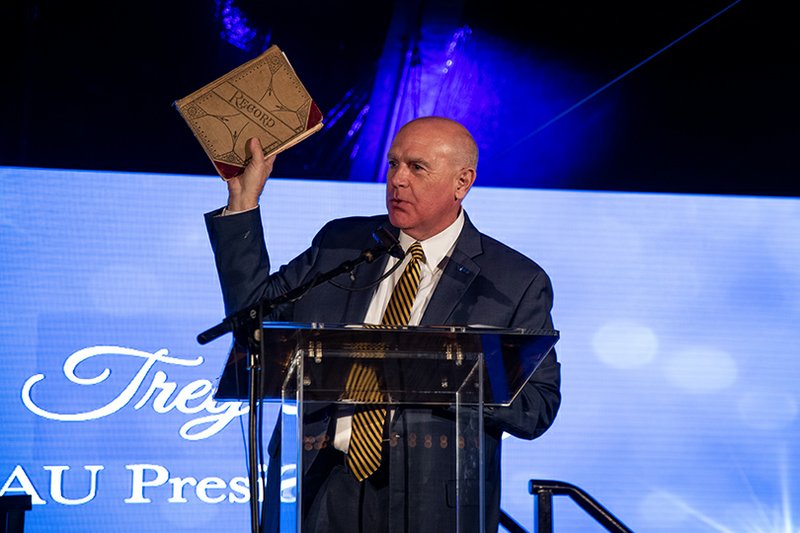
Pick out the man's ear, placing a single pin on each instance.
(464, 182)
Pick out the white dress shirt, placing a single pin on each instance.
(437, 251)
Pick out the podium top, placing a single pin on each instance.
(433, 365)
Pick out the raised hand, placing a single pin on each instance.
(245, 189)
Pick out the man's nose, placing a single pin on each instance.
(399, 178)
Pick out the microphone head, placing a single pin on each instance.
(385, 238)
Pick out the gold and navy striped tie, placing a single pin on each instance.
(364, 454)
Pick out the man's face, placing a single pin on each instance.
(425, 180)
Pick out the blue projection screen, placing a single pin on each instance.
(680, 331)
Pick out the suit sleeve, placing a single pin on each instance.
(243, 265)
(534, 409)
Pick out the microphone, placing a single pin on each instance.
(385, 238)
(387, 244)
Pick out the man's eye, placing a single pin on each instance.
(392, 164)
(418, 167)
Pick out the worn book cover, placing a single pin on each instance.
(262, 98)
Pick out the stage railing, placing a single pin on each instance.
(543, 490)
(509, 524)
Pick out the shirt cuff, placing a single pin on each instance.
(226, 211)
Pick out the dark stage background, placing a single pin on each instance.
(565, 95)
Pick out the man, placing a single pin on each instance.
(465, 278)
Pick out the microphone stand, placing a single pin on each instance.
(246, 325)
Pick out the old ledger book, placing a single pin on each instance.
(263, 98)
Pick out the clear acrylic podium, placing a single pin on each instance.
(457, 370)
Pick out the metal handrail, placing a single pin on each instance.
(544, 490)
(509, 524)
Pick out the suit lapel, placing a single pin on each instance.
(458, 275)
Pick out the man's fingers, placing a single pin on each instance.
(253, 148)
(269, 162)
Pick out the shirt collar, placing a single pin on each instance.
(439, 246)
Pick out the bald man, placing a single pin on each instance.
(466, 278)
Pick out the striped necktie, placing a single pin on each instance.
(364, 453)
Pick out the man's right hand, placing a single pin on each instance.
(245, 189)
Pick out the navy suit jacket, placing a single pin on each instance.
(483, 283)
